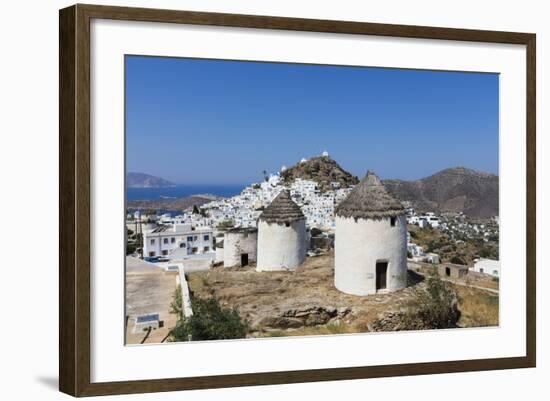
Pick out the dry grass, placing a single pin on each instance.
(330, 328)
(273, 294)
(478, 308)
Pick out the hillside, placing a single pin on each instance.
(452, 190)
(142, 180)
(322, 170)
(170, 204)
(305, 302)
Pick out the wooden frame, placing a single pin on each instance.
(74, 199)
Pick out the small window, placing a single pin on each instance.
(206, 249)
(152, 242)
(189, 239)
(165, 240)
(182, 245)
(172, 240)
(206, 237)
(393, 220)
(165, 252)
(151, 253)
(195, 238)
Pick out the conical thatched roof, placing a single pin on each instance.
(282, 210)
(369, 199)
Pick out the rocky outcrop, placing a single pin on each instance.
(418, 318)
(323, 170)
(305, 316)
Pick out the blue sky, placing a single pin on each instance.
(224, 122)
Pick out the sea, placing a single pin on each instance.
(182, 191)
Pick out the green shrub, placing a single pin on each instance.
(433, 307)
(226, 224)
(209, 322)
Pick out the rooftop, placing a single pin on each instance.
(370, 199)
(282, 210)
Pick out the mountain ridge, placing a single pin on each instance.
(455, 189)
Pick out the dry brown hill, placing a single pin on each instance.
(322, 170)
(456, 189)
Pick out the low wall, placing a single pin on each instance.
(185, 297)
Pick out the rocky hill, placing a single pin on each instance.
(142, 180)
(456, 189)
(322, 170)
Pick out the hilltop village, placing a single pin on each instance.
(352, 238)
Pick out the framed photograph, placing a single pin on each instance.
(250, 200)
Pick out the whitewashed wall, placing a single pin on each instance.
(359, 245)
(281, 247)
(237, 243)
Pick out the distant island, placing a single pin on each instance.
(142, 180)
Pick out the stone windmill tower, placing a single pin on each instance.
(282, 237)
(370, 240)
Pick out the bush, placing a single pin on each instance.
(457, 260)
(435, 306)
(226, 224)
(209, 322)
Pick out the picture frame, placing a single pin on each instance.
(75, 200)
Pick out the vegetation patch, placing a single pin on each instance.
(209, 321)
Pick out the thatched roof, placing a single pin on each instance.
(282, 210)
(370, 199)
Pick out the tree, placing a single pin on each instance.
(209, 321)
(195, 209)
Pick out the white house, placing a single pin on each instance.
(429, 219)
(487, 266)
(165, 239)
(282, 236)
(370, 240)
